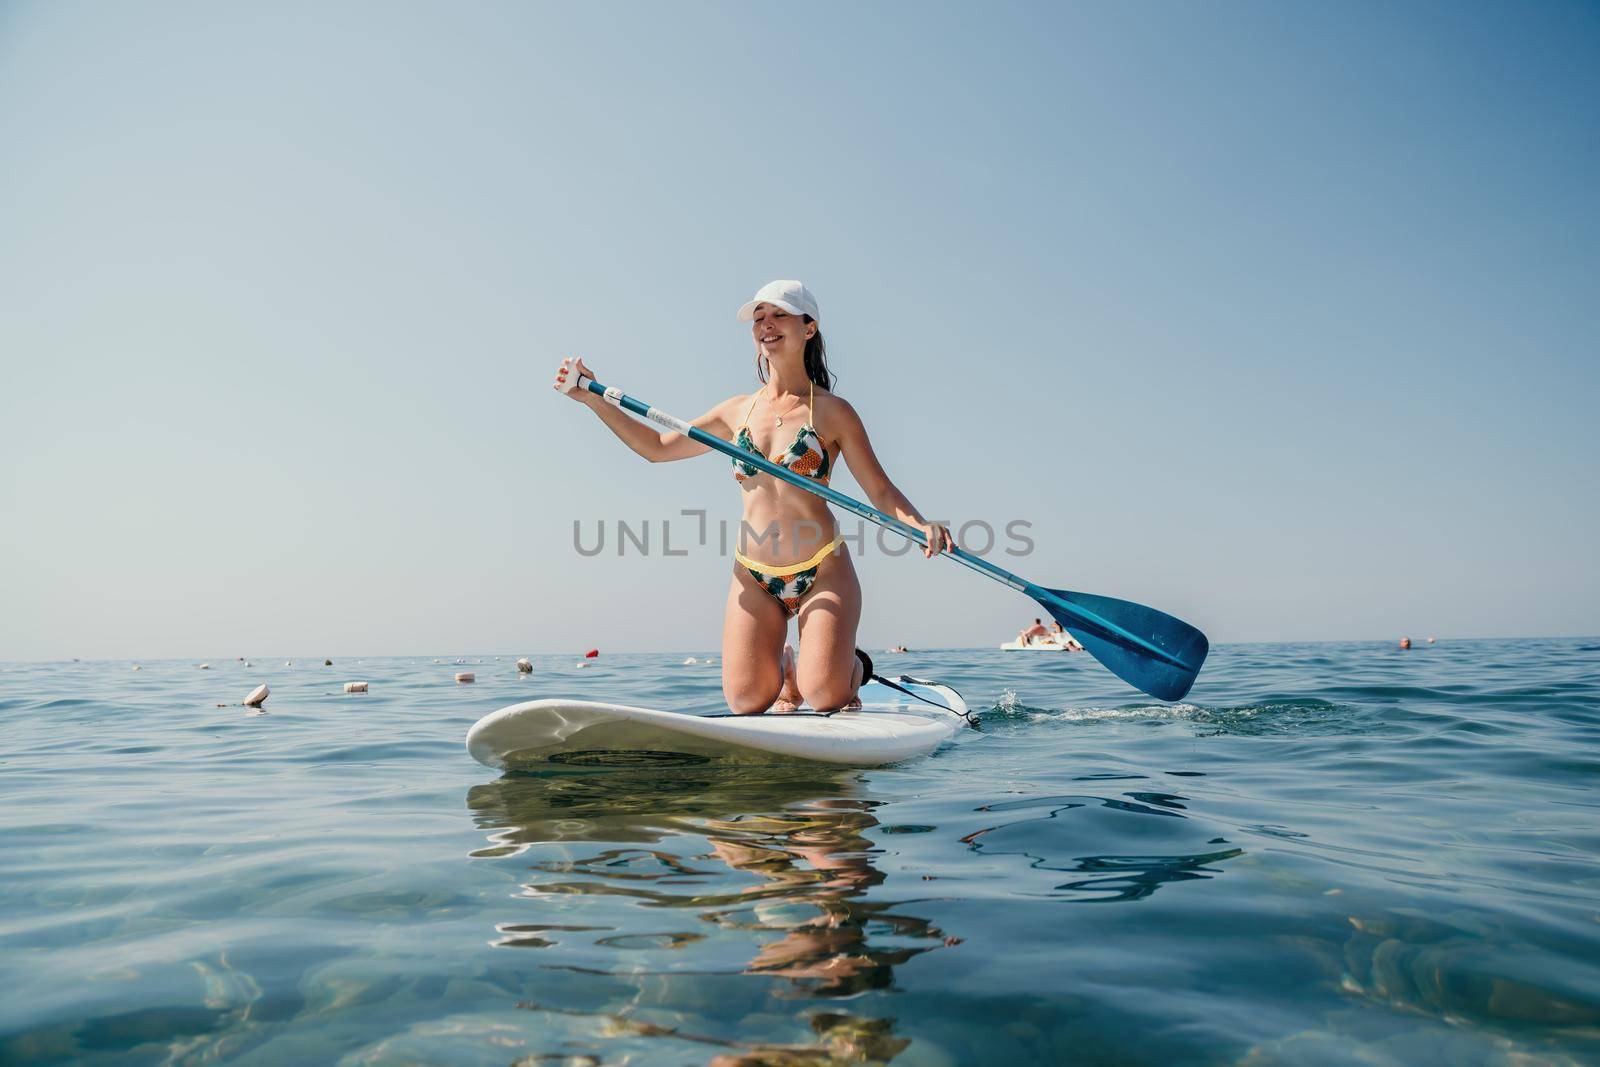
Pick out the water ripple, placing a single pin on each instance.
(1330, 853)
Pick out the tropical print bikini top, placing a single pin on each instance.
(806, 456)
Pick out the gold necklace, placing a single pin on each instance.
(777, 419)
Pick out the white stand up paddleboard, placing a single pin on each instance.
(890, 726)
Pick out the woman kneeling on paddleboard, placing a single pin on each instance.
(791, 560)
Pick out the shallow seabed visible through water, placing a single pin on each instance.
(1331, 854)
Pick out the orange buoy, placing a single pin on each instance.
(591, 654)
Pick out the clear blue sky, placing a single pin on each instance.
(1282, 317)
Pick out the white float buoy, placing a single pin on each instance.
(466, 676)
(258, 696)
(524, 666)
(690, 660)
(137, 667)
(355, 687)
(205, 666)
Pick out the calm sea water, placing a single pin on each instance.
(1332, 854)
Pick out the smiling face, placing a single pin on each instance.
(780, 336)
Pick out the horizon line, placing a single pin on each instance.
(312, 659)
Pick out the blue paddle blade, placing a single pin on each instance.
(1153, 652)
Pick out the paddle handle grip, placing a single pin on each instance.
(583, 381)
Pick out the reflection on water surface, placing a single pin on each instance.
(774, 865)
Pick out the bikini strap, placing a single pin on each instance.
(753, 398)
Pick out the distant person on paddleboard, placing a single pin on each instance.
(798, 566)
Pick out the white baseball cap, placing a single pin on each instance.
(791, 296)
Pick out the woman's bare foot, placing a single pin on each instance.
(789, 697)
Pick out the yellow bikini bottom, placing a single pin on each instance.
(789, 583)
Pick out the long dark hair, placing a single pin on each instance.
(816, 360)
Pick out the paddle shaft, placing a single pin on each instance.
(1104, 628)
